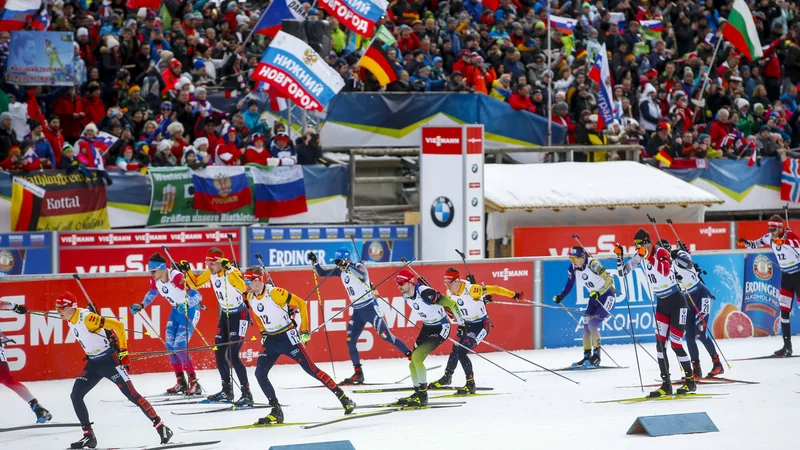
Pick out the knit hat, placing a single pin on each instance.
(5, 115)
(175, 64)
(451, 275)
(83, 32)
(198, 64)
(67, 147)
(200, 141)
(133, 89)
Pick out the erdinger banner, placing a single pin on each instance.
(46, 350)
(360, 16)
(298, 73)
(129, 251)
(556, 241)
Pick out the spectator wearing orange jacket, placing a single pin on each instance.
(481, 77)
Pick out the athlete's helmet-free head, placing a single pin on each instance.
(342, 253)
(775, 225)
(576, 253)
(66, 303)
(451, 275)
(156, 262)
(254, 274)
(405, 276)
(665, 244)
(213, 258)
(642, 239)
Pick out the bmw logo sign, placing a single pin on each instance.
(585, 277)
(474, 201)
(416, 306)
(460, 302)
(260, 307)
(474, 168)
(218, 283)
(442, 212)
(474, 235)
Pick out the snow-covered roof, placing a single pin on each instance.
(586, 185)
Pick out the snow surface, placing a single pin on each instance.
(587, 185)
(545, 412)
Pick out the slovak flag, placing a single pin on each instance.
(563, 24)
(16, 14)
(790, 181)
(653, 26)
(221, 189)
(273, 15)
(601, 74)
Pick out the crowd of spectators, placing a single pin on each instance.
(144, 77)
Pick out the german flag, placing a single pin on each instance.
(376, 61)
(664, 157)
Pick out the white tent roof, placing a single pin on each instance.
(586, 185)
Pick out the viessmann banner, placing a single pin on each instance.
(45, 349)
(599, 239)
(288, 246)
(129, 251)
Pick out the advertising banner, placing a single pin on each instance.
(25, 254)
(129, 251)
(723, 279)
(45, 350)
(751, 229)
(53, 200)
(41, 58)
(600, 239)
(289, 246)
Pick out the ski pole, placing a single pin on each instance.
(91, 304)
(578, 240)
(464, 260)
(50, 315)
(372, 290)
(261, 262)
(683, 247)
(623, 282)
(322, 316)
(355, 248)
(233, 253)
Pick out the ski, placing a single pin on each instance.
(162, 447)
(40, 425)
(648, 399)
(400, 381)
(409, 388)
(187, 402)
(765, 357)
(716, 380)
(573, 369)
(465, 395)
(391, 405)
(247, 427)
(159, 398)
(219, 410)
(348, 417)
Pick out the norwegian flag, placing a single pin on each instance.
(753, 156)
(729, 140)
(790, 181)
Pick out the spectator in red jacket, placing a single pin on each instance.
(519, 99)
(256, 152)
(69, 110)
(227, 151)
(408, 41)
(464, 65)
(561, 117)
(93, 105)
(170, 75)
(52, 132)
(720, 128)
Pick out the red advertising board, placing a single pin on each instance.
(103, 252)
(45, 350)
(441, 140)
(556, 241)
(751, 229)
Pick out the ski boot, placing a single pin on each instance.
(357, 378)
(347, 403)
(405, 400)
(786, 351)
(180, 386)
(246, 399)
(223, 396)
(87, 441)
(274, 416)
(443, 382)
(717, 369)
(595, 358)
(42, 415)
(688, 387)
(587, 355)
(697, 372)
(194, 386)
(665, 390)
(164, 433)
(468, 389)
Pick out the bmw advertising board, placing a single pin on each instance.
(289, 246)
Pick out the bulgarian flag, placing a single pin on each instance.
(741, 31)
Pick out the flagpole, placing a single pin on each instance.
(255, 27)
(711, 65)
(549, 83)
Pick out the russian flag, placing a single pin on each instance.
(280, 191)
(221, 189)
(18, 13)
(563, 24)
(269, 23)
(276, 102)
(601, 74)
(619, 19)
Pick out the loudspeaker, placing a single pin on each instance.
(315, 33)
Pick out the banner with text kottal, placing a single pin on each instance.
(53, 200)
(298, 72)
(41, 58)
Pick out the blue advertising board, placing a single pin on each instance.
(288, 246)
(724, 280)
(25, 254)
